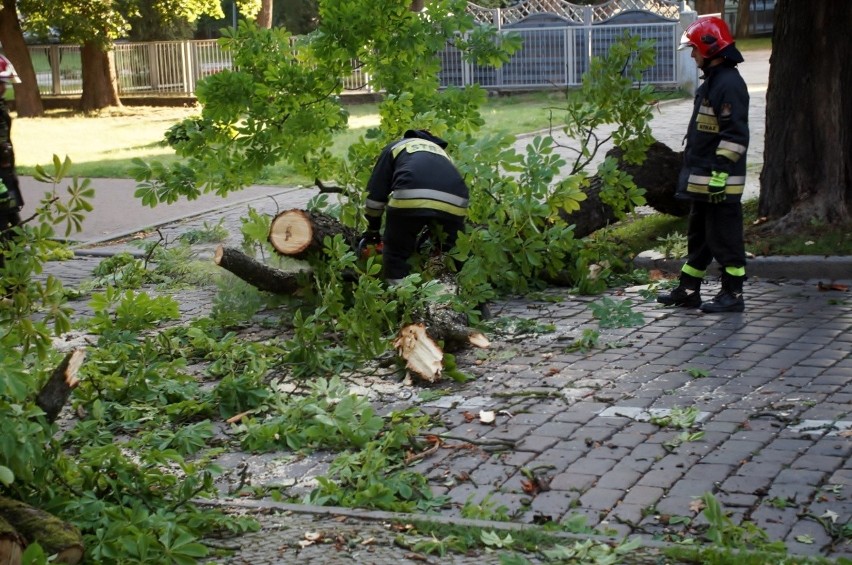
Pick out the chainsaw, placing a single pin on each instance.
(367, 248)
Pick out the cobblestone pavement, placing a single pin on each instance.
(772, 388)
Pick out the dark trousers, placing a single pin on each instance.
(402, 238)
(715, 231)
(9, 217)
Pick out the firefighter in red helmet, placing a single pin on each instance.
(11, 200)
(714, 168)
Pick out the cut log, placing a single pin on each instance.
(55, 392)
(417, 345)
(11, 544)
(257, 274)
(658, 175)
(450, 328)
(55, 536)
(300, 233)
(422, 355)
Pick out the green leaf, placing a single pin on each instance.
(7, 477)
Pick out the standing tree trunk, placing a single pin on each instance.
(264, 16)
(417, 5)
(807, 172)
(27, 98)
(710, 7)
(100, 87)
(743, 19)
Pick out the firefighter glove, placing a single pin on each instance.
(716, 187)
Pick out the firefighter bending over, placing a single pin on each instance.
(417, 184)
(11, 200)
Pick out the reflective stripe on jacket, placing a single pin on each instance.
(717, 137)
(416, 176)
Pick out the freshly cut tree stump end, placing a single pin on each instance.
(300, 234)
(12, 544)
(478, 339)
(54, 394)
(424, 359)
(291, 232)
(55, 536)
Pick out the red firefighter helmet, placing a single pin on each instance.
(7, 71)
(709, 35)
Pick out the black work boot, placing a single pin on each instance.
(686, 294)
(729, 299)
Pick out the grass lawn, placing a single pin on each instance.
(103, 145)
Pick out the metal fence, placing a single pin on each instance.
(559, 56)
(559, 41)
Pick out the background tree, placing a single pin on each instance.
(264, 15)
(807, 171)
(297, 16)
(152, 24)
(96, 24)
(27, 99)
(710, 6)
(743, 19)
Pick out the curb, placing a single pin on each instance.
(798, 267)
(81, 247)
(265, 506)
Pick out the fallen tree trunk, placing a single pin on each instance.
(260, 275)
(55, 392)
(12, 544)
(418, 345)
(300, 233)
(658, 175)
(441, 329)
(55, 536)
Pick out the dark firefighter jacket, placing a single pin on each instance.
(717, 137)
(7, 168)
(415, 176)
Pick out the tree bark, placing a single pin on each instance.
(12, 544)
(710, 7)
(807, 171)
(261, 276)
(300, 233)
(264, 16)
(100, 86)
(743, 19)
(55, 392)
(657, 174)
(52, 534)
(27, 98)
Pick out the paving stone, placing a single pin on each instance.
(562, 430)
(820, 463)
(599, 498)
(553, 504)
(621, 476)
(734, 452)
(572, 481)
(813, 532)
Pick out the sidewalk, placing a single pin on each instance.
(772, 388)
